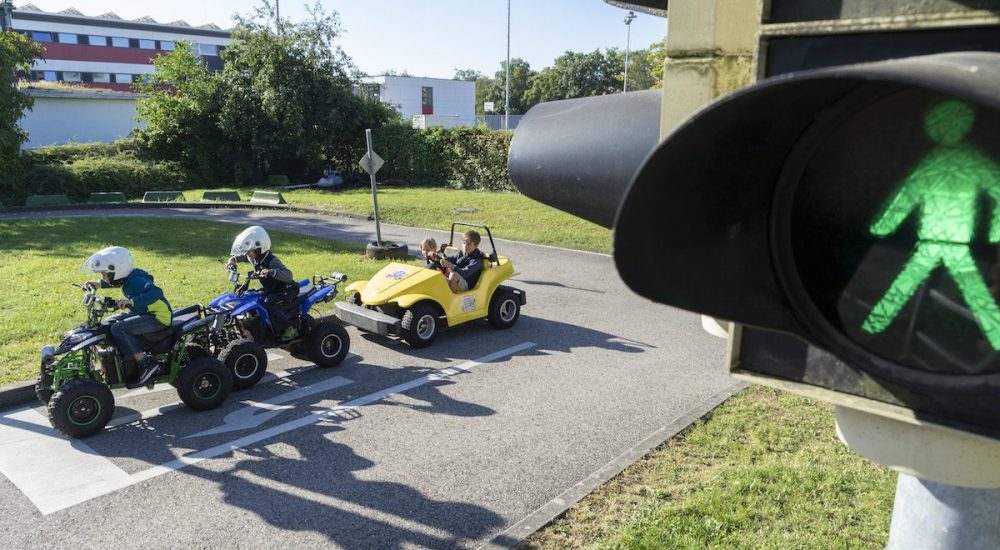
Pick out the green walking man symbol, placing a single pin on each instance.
(945, 187)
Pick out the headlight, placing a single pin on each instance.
(79, 337)
(47, 354)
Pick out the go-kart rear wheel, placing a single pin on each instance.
(246, 360)
(419, 325)
(327, 344)
(505, 308)
(204, 383)
(81, 407)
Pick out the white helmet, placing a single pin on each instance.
(250, 238)
(113, 260)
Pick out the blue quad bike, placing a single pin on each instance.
(77, 376)
(246, 332)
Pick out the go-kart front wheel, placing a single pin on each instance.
(247, 360)
(505, 308)
(81, 407)
(419, 325)
(327, 344)
(204, 383)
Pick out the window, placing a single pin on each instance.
(67, 38)
(208, 49)
(119, 42)
(41, 36)
(97, 40)
(48, 75)
(427, 100)
(123, 78)
(102, 77)
(167, 45)
(72, 77)
(147, 44)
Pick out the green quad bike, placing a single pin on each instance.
(77, 376)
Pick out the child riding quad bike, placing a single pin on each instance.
(249, 327)
(414, 302)
(247, 330)
(77, 376)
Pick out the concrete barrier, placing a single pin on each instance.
(162, 196)
(107, 197)
(277, 180)
(220, 196)
(267, 197)
(46, 200)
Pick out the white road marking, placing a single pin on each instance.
(164, 387)
(350, 406)
(72, 473)
(255, 414)
(53, 472)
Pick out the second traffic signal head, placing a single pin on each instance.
(857, 206)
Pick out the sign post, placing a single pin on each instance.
(371, 163)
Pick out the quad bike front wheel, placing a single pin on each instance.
(43, 387)
(81, 407)
(204, 383)
(327, 344)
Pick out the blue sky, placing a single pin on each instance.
(431, 38)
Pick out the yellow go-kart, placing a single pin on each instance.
(415, 302)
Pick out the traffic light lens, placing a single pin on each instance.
(893, 225)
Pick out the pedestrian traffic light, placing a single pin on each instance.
(855, 207)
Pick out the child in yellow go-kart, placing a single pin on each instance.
(465, 266)
(415, 302)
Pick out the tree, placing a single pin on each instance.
(484, 85)
(470, 75)
(17, 52)
(283, 103)
(520, 81)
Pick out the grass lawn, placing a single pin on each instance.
(509, 215)
(44, 257)
(764, 470)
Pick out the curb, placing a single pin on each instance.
(17, 394)
(179, 204)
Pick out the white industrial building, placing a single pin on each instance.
(426, 101)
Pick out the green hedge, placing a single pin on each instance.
(81, 169)
(466, 158)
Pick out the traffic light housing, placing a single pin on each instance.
(854, 208)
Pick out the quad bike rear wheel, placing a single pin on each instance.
(246, 360)
(327, 344)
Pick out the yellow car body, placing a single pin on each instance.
(397, 299)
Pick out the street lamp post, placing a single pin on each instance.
(6, 15)
(506, 84)
(628, 38)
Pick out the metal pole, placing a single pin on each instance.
(506, 86)
(6, 15)
(378, 226)
(944, 517)
(628, 40)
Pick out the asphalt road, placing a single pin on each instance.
(474, 441)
